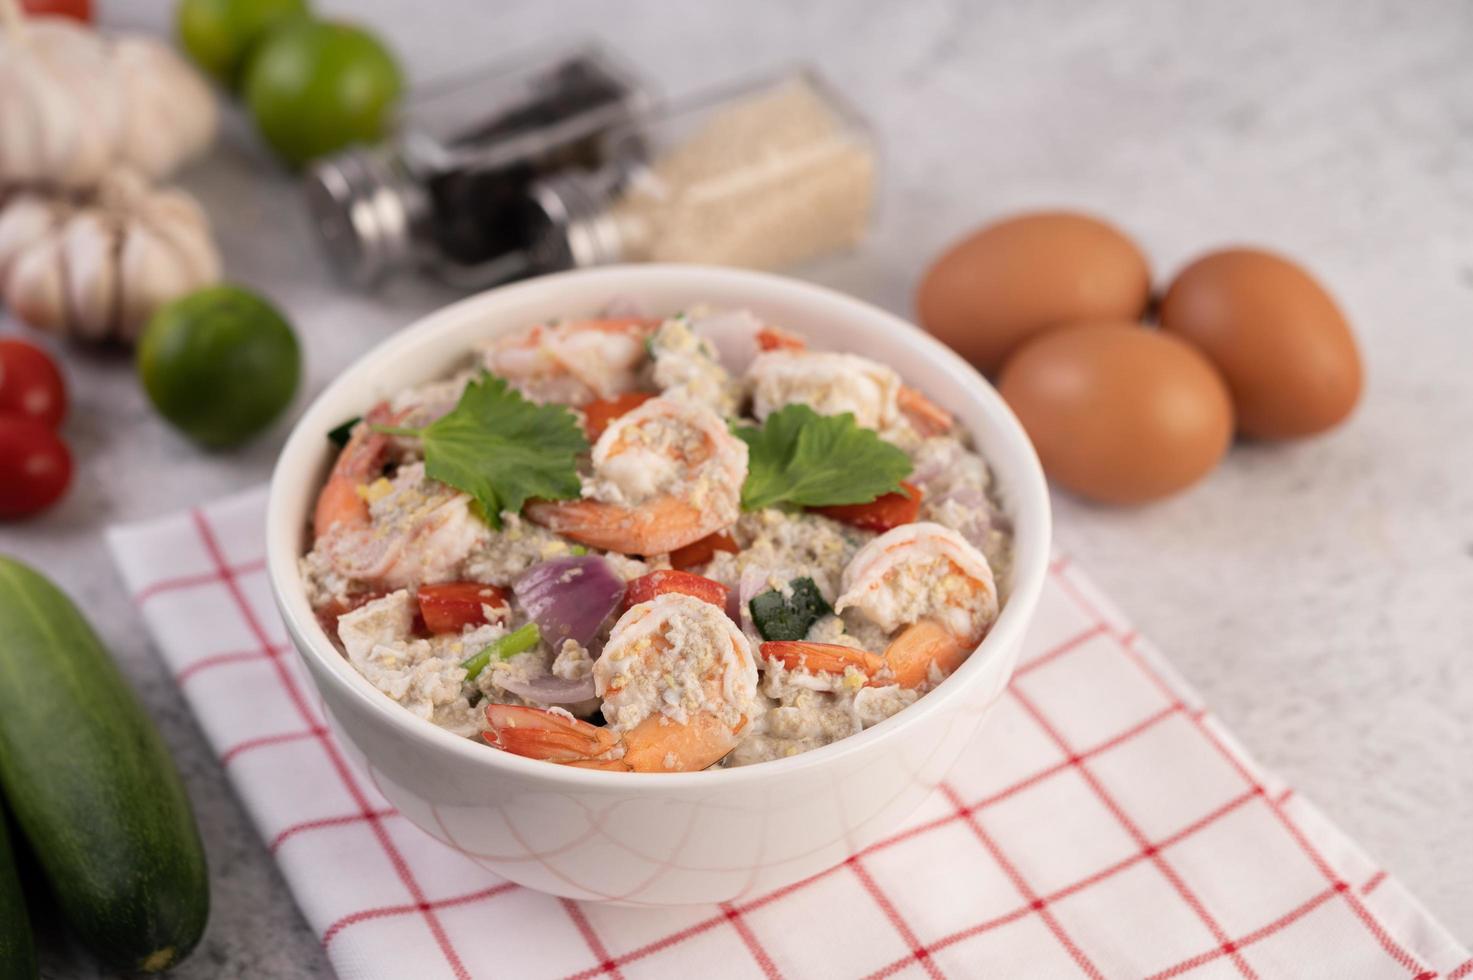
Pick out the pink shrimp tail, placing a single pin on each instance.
(651, 529)
(911, 654)
(537, 733)
(928, 418)
(357, 464)
(658, 744)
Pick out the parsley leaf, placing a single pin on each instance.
(502, 449)
(340, 435)
(800, 457)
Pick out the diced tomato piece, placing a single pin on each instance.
(771, 338)
(881, 514)
(702, 551)
(75, 9)
(599, 413)
(451, 606)
(646, 587)
(329, 614)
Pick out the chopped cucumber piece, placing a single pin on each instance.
(788, 617)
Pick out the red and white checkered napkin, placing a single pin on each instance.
(1104, 825)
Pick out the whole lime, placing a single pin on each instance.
(219, 34)
(316, 86)
(219, 364)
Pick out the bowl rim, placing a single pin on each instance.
(304, 443)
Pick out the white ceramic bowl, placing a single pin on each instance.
(658, 838)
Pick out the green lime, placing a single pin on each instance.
(219, 34)
(220, 364)
(317, 86)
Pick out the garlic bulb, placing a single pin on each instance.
(59, 113)
(170, 115)
(74, 104)
(98, 270)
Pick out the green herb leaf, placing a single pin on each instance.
(502, 449)
(801, 457)
(339, 436)
(788, 617)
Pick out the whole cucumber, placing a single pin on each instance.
(17, 951)
(92, 786)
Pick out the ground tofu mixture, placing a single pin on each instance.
(711, 546)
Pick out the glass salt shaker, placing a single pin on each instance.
(446, 194)
(765, 175)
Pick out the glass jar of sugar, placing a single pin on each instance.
(765, 175)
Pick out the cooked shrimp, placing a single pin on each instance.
(385, 533)
(830, 383)
(678, 682)
(927, 579)
(665, 475)
(686, 363)
(553, 735)
(573, 362)
(928, 418)
(826, 658)
(342, 502)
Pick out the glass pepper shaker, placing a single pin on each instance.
(447, 193)
(764, 175)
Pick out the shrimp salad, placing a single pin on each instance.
(657, 544)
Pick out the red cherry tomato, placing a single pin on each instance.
(75, 9)
(881, 514)
(329, 614)
(451, 606)
(599, 413)
(646, 587)
(35, 467)
(702, 551)
(30, 383)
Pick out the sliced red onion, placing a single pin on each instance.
(548, 689)
(734, 335)
(935, 461)
(733, 606)
(754, 580)
(964, 496)
(569, 598)
(626, 304)
(983, 520)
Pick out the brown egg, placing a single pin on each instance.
(1119, 412)
(997, 287)
(1278, 338)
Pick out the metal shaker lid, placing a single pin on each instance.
(363, 206)
(568, 223)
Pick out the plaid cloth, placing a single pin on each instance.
(1105, 826)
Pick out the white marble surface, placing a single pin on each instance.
(1317, 594)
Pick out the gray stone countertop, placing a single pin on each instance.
(1317, 594)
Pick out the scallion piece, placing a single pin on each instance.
(513, 643)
